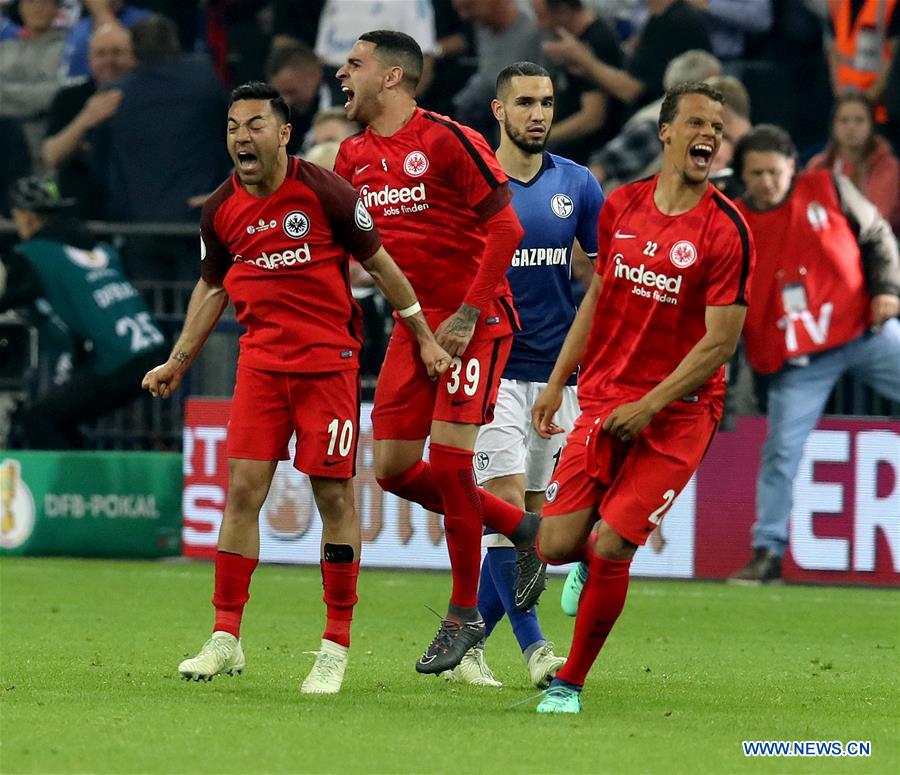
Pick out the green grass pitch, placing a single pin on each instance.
(88, 679)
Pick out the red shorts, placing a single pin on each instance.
(634, 483)
(323, 410)
(407, 400)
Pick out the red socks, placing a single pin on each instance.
(418, 484)
(452, 472)
(232, 590)
(601, 603)
(339, 582)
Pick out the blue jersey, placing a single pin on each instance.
(559, 204)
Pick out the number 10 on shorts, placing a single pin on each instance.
(341, 437)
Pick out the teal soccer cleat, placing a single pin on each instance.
(571, 593)
(560, 699)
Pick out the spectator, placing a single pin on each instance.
(584, 115)
(730, 22)
(162, 149)
(827, 270)
(504, 33)
(75, 59)
(78, 108)
(857, 152)
(637, 145)
(8, 28)
(291, 26)
(15, 162)
(58, 260)
(296, 72)
(332, 126)
(736, 116)
(674, 27)
(343, 21)
(862, 46)
(324, 155)
(453, 60)
(29, 70)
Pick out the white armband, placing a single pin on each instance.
(409, 311)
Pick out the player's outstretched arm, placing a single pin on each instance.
(723, 328)
(402, 297)
(569, 357)
(207, 303)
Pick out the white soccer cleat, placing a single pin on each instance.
(221, 655)
(327, 673)
(543, 664)
(472, 670)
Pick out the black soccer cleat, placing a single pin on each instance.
(531, 578)
(450, 645)
(764, 568)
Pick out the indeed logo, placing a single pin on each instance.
(300, 255)
(392, 196)
(643, 276)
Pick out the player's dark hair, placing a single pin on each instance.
(397, 49)
(505, 76)
(296, 55)
(673, 96)
(155, 40)
(764, 138)
(259, 90)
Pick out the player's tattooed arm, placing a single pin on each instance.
(455, 333)
(401, 296)
(207, 303)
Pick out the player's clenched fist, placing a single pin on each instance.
(628, 420)
(163, 380)
(435, 358)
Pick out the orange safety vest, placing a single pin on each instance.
(861, 47)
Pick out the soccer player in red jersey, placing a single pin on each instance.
(663, 314)
(276, 238)
(442, 204)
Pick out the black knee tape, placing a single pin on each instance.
(338, 553)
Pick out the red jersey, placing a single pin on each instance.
(809, 289)
(430, 186)
(660, 272)
(284, 264)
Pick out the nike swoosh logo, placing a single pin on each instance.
(331, 462)
(423, 660)
(620, 235)
(362, 169)
(457, 402)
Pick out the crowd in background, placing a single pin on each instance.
(124, 104)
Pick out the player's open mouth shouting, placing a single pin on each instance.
(350, 94)
(248, 161)
(701, 153)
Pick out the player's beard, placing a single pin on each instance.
(522, 141)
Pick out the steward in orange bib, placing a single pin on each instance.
(863, 44)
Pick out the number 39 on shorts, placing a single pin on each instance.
(466, 377)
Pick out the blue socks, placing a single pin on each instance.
(495, 597)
